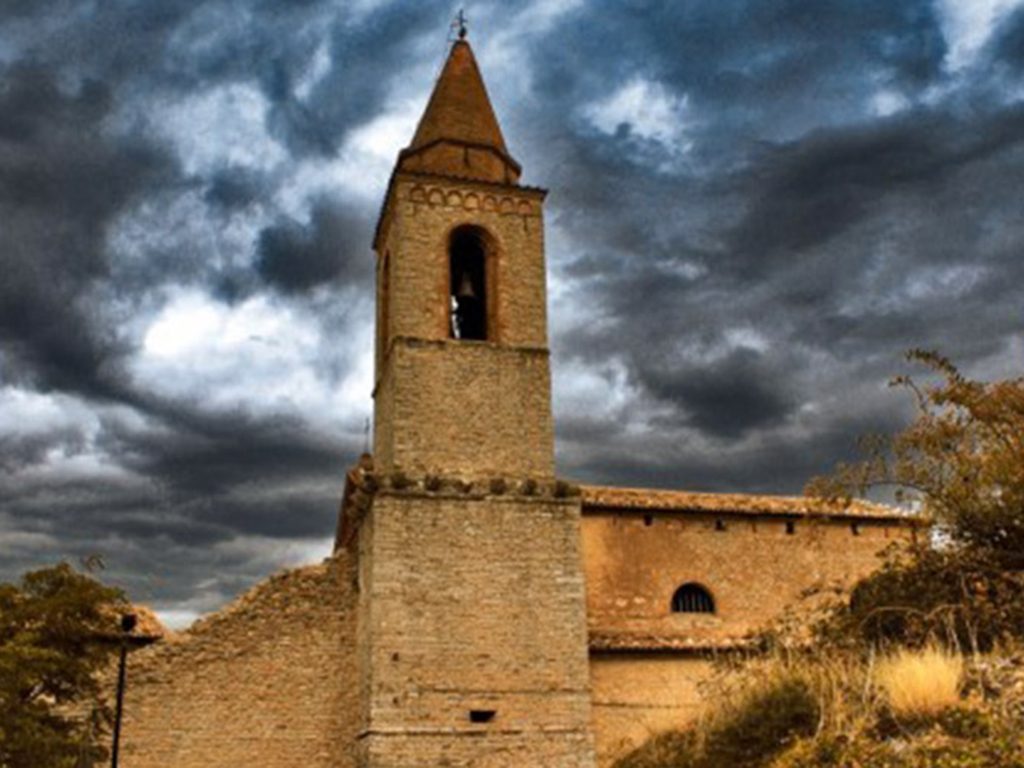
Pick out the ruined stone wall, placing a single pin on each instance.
(463, 406)
(473, 601)
(269, 681)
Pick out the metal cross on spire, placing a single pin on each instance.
(460, 24)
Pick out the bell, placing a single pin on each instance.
(466, 287)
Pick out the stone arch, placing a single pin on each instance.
(471, 295)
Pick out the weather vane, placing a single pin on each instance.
(460, 23)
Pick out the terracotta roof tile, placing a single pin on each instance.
(641, 499)
(148, 627)
(459, 108)
(633, 642)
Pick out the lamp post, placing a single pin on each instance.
(128, 622)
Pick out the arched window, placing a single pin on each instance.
(692, 598)
(467, 255)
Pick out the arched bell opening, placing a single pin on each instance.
(467, 258)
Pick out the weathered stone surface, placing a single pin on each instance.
(753, 568)
(267, 682)
(473, 603)
(647, 661)
(462, 406)
(458, 133)
(636, 695)
(472, 619)
(480, 612)
(469, 407)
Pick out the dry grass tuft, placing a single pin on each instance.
(920, 683)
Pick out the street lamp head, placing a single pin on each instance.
(128, 622)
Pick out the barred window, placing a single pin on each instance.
(692, 598)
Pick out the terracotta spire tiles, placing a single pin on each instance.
(459, 134)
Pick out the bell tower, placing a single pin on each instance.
(472, 639)
(462, 380)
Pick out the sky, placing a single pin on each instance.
(755, 209)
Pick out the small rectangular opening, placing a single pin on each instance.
(719, 524)
(481, 715)
(790, 527)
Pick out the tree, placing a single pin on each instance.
(961, 465)
(54, 638)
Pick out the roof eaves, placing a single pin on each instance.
(597, 498)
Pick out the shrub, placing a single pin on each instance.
(51, 649)
(960, 464)
(965, 723)
(767, 717)
(920, 683)
(923, 595)
(831, 710)
(755, 719)
(672, 749)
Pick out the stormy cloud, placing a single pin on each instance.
(754, 210)
(331, 248)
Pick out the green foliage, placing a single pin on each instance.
(672, 749)
(769, 720)
(762, 721)
(1004, 749)
(955, 595)
(51, 625)
(961, 463)
(966, 723)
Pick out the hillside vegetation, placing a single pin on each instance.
(923, 665)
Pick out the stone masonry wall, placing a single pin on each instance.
(446, 397)
(753, 568)
(269, 682)
(468, 407)
(422, 214)
(638, 695)
(473, 601)
(470, 600)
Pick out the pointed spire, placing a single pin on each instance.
(459, 108)
(459, 134)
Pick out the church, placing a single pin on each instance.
(479, 610)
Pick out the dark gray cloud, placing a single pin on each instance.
(364, 58)
(766, 70)
(234, 187)
(1008, 43)
(805, 193)
(755, 209)
(331, 248)
(62, 182)
(723, 398)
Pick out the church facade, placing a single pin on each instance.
(479, 610)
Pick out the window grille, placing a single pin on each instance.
(692, 598)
